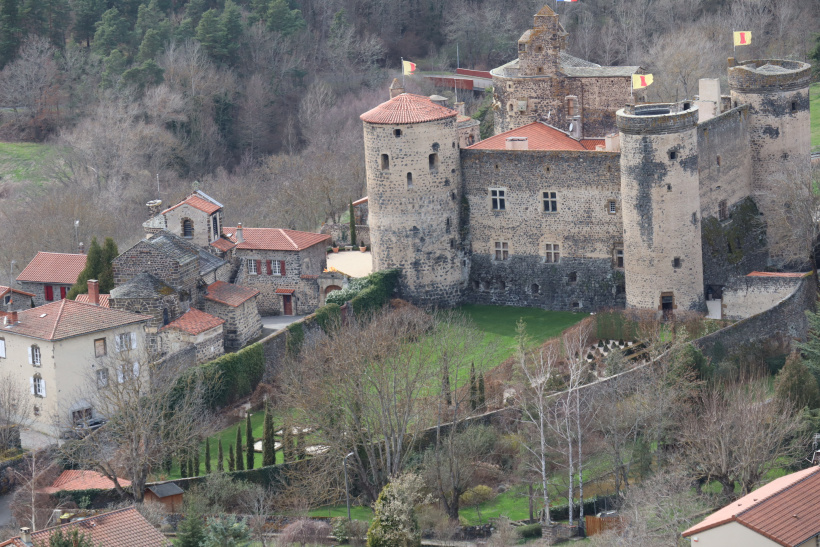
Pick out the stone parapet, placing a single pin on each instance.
(769, 75)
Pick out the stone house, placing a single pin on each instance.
(148, 295)
(57, 350)
(15, 299)
(282, 265)
(197, 328)
(49, 276)
(237, 306)
(197, 218)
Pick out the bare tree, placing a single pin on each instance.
(15, 411)
(155, 410)
(30, 506)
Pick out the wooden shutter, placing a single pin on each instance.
(31, 383)
(133, 340)
(62, 292)
(30, 361)
(270, 267)
(42, 388)
(282, 268)
(49, 293)
(259, 267)
(136, 370)
(2, 348)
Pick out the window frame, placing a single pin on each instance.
(612, 207)
(549, 201)
(104, 344)
(501, 251)
(498, 199)
(186, 223)
(36, 355)
(2, 348)
(552, 253)
(723, 210)
(618, 257)
(38, 386)
(101, 375)
(251, 265)
(276, 267)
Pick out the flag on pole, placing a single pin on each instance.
(743, 38)
(640, 81)
(408, 67)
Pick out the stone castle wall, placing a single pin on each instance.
(587, 233)
(340, 233)
(414, 223)
(748, 296)
(661, 210)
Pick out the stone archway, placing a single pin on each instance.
(332, 288)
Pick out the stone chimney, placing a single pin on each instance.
(239, 236)
(439, 100)
(81, 248)
(25, 535)
(10, 318)
(460, 108)
(94, 292)
(396, 88)
(517, 143)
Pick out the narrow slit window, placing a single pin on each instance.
(385, 162)
(409, 180)
(433, 162)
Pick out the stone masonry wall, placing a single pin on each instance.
(748, 296)
(203, 228)
(39, 292)
(414, 223)
(587, 233)
(208, 345)
(310, 261)
(340, 233)
(242, 323)
(143, 257)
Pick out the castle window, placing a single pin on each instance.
(673, 155)
(576, 305)
(252, 269)
(535, 289)
(215, 226)
(686, 106)
(667, 302)
(510, 107)
(498, 199)
(35, 356)
(553, 253)
(187, 227)
(446, 182)
(612, 206)
(694, 218)
(572, 277)
(125, 341)
(502, 285)
(668, 187)
(676, 262)
(619, 257)
(723, 210)
(38, 386)
(540, 70)
(718, 161)
(522, 46)
(485, 285)
(475, 284)
(102, 377)
(436, 147)
(409, 180)
(794, 106)
(433, 161)
(539, 49)
(502, 250)
(385, 162)
(397, 133)
(550, 202)
(447, 225)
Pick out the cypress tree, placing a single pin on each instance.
(352, 226)
(168, 464)
(473, 388)
(93, 269)
(106, 275)
(196, 463)
(208, 456)
(240, 460)
(249, 442)
(268, 440)
(287, 443)
(481, 394)
(220, 457)
(183, 467)
(231, 461)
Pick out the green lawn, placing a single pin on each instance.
(357, 512)
(21, 162)
(815, 116)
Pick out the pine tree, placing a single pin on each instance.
(268, 440)
(220, 457)
(280, 18)
(795, 383)
(92, 270)
(352, 226)
(9, 30)
(86, 14)
(230, 26)
(481, 394)
(106, 275)
(208, 456)
(473, 388)
(249, 442)
(240, 459)
(231, 461)
(209, 34)
(191, 531)
(112, 30)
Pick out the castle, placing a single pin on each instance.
(584, 199)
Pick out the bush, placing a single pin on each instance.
(529, 531)
(296, 335)
(328, 316)
(367, 294)
(233, 375)
(305, 531)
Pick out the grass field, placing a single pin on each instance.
(21, 162)
(815, 117)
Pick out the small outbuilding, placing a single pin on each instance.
(167, 493)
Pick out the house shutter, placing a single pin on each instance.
(49, 293)
(2, 348)
(282, 268)
(62, 292)
(133, 340)
(30, 361)
(31, 384)
(136, 370)
(120, 376)
(259, 267)
(42, 388)
(270, 267)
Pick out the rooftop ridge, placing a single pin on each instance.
(57, 321)
(778, 492)
(284, 233)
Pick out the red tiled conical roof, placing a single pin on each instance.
(408, 108)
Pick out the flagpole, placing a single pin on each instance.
(402, 71)
(458, 62)
(734, 46)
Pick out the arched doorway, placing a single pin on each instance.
(332, 288)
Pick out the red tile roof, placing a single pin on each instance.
(360, 201)
(75, 479)
(194, 321)
(67, 318)
(229, 294)
(223, 244)
(196, 201)
(540, 136)
(83, 298)
(275, 239)
(62, 268)
(779, 274)
(4, 290)
(122, 528)
(591, 144)
(408, 108)
(787, 510)
(283, 290)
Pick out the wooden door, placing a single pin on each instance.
(287, 305)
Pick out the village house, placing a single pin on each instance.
(49, 276)
(237, 306)
(283, 265)
(197, 218)
(58, 350)
(15, 299)
(197, 328)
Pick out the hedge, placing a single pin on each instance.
(328, 315)
(380, 288)
(296, 335)
(234, 375)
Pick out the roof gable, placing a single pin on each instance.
(194, 321)
(407, 108)
(275, 239)
(62, 268)
(198, 200)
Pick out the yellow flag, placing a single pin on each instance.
(408, 67)
(743, 38)
(640, 81)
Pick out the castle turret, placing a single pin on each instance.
(414, 193)
(661, 206)
(777, 93)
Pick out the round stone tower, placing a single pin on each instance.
(414, 196)
(663, 266)
(777, 93)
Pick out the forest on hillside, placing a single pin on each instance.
(258, 100)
